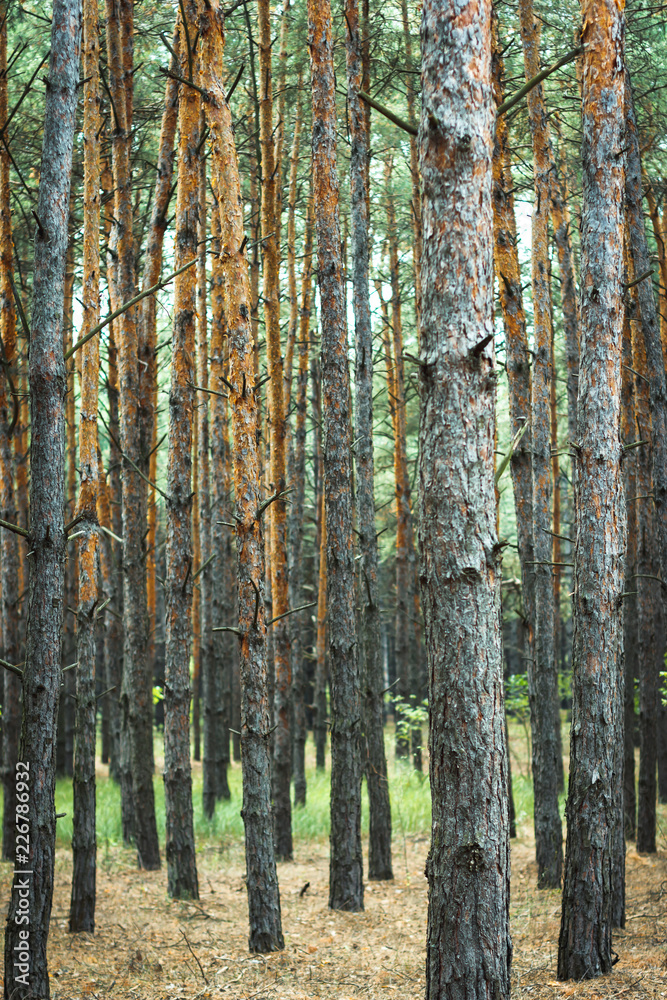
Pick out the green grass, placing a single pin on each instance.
(409, 792)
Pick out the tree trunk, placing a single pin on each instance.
(542, 669)
(148, 318)
(9, 507)
(370, 647)
(42, 671)
(468, 948)
(655, 372)
(137, 689)
(320, 692)
(218, 675)
(282, 750)
(630, 635)
(261, 879)
(648, 596)
(298, 477)
(346, 891)
(415, 204)
(82, 906)
(180, 841)
(585, 936)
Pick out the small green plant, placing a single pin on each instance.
(409, 717)
(517, 705)
(158, 694)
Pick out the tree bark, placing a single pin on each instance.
(9, 506)
(218, 682)
(137, 684)
(346, 891)
(630, 635)
(468, 948)
(542, 668)
(370, 647)
(655, 372)
(261, 879)
(180, 843)
(585, 936)
(298, 477)
(82, 906)
(42, 671)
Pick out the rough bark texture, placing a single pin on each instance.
(180, 842)
(414, 155)
(650, 332)
(370, 646)
(261, 879)
(468, 948)
(82, 906)
(282, 748)
(594, 786)
(542, 669)
(346, 891)
(42, 672)
(137, 684)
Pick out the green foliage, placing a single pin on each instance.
(410, 716)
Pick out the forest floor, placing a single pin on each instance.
(148, 947)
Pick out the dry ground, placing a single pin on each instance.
(148, 946)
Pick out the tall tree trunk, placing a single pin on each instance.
(298, 477)
(261, 879)
(648, 597)
(655, 372)
(630, 634)
(584, 949)
(180, 839)
(137, 689)
(320, 687)
(148, 319)
(82, 906)
(42, 671)
(468, 948)
(407, 629)
(659, 235)
(271, 179)
(9, 507)
(346, 890)
(370, 646)
(542, 669)
(218, 673)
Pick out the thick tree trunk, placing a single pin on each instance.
(542, 669)
(346, 890)
(42, 671)
(137, 689)
(82, 906)
(370, 646)
(595, 784)
(180, 842)
(261, 879)
(468, 948)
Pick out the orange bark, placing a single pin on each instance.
(263, 897)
